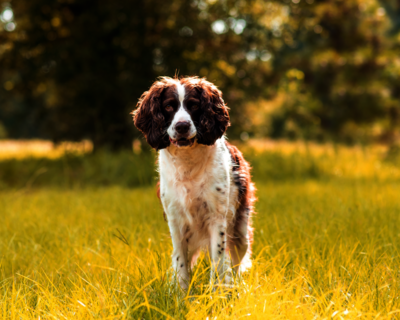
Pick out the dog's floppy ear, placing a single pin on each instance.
(149, 119)
(214, 119)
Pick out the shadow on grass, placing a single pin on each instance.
(99, 169)
(133, 170)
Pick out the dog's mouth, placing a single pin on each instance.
(182, 142)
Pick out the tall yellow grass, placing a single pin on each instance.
(324, 249)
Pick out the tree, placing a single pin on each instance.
(288, 68)
(344, 53)
(77, 68)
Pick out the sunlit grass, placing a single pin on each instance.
(20, 149)
(70, 164)
(324, 248)
(338, 161)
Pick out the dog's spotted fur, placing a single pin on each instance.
(205, 186)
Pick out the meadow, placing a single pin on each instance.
(83, 237)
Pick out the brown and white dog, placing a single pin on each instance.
(205, 185)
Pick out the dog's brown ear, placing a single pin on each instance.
(214, 119)
(149, 119)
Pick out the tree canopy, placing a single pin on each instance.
(74, 69)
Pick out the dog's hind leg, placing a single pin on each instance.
(240, 245)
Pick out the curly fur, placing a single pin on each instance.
(150, 120)
(148, 117)
(214, 120)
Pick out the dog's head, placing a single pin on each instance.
(180, 111)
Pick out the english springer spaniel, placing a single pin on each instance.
(205, 185)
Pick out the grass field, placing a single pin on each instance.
(85, 239)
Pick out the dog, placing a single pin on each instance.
(205, 185)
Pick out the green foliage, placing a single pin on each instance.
(338, 73)
(344, 55)
(73, 70)
(3, 131)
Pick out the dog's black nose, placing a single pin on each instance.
(182, 127)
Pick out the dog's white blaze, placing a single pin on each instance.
(181, 114)
(181, 92)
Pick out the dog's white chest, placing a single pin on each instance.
(196, 196)
(195, 190)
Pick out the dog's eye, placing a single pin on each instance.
(169, 108)
(194, 107)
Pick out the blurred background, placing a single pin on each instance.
(313, 86)
(293, 69)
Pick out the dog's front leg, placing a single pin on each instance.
(220, 263)
(179, 254)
